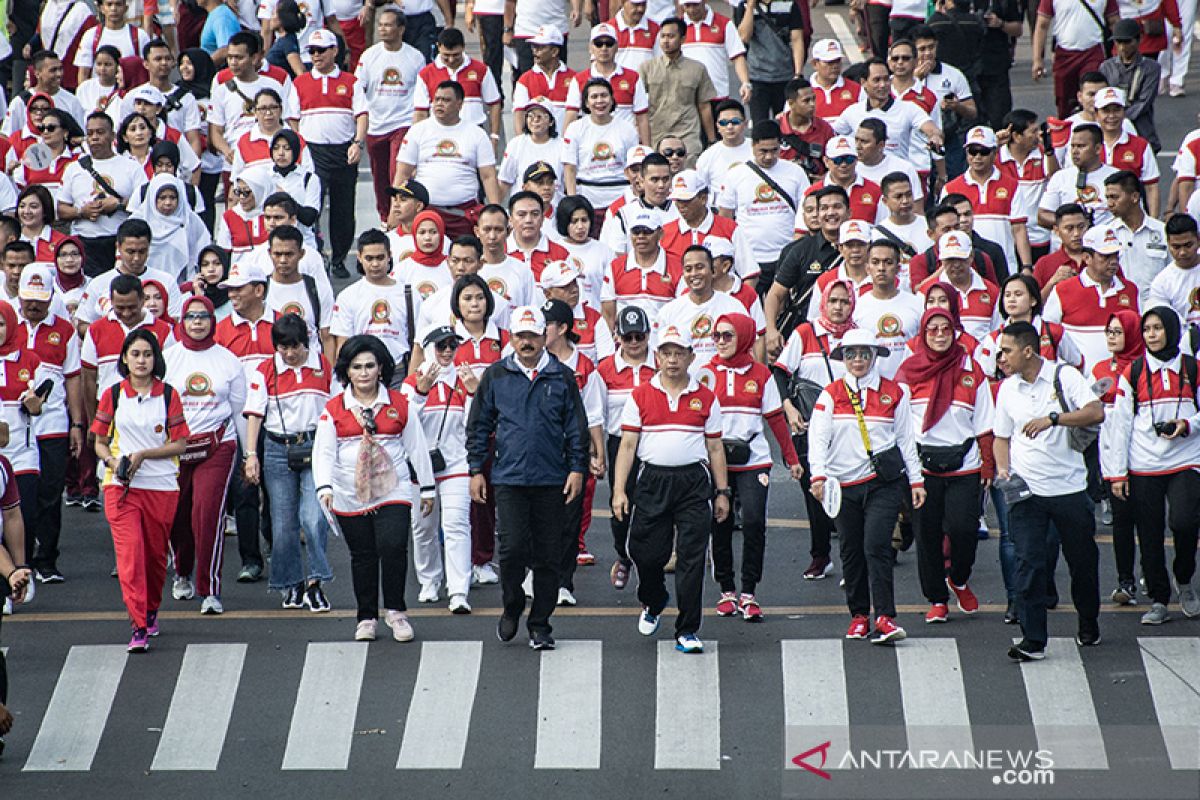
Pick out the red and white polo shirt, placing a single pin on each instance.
(672, 431)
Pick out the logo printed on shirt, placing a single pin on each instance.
(292, 308)
(695, 405)
(426, 289)
(602, 152)
(764, 194)
(1001, 193)
(198, 385)
(1194, 299)
(381, 312)
(886, 399)
(751, 387)
(1123, 299)
(342, 88)
(890, 325)
(702, 326)
(392, 77)
(54, 338)
(447, 148)
(1087, 195)
(968, 381)
(392, 413)
(22, 374)
(498, 286)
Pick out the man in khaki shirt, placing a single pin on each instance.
(680, 90)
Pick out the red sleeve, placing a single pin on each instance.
(176, 424)
(102, 423)
(918, 270)
(987, 456)
(1170, 10)
(782, 435)
(1110, 9)
(1046, 7)
(11, 498)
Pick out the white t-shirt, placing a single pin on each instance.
(893, 321)
(511, 280)
(1178, 289)
(122, 173)
(900, 117)
(447, 159)
(389, 80)
(1074, 28)
(598, 154)
(699, 320)
(63, 100)
(522, 151)
(767, 217)
(129, 40)
(1060, 190)
(886, 166)
(716, 161)
(363, 307)
(292, 298)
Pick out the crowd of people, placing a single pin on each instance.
(934, 302)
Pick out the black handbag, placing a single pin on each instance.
(942, 459)
(804, 392)
(737, 452)
(436, 459)
(888, 464)
(300, 447)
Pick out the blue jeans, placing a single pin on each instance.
(293, 506)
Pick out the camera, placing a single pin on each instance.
(123, 469)
(809, 155)
(437, 460)
(1164, 428)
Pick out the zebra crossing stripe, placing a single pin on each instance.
(201, 707)
(688, 709)
(1171, 667)
(439, 717)
(934, 698)
(78, 711)
(815, 705)
(568, 734)
(326, 706)
(1060, 702)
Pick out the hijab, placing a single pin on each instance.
(258, 179)
(1170, 323)
(437, 256)
(926, 365)
(164, 226)
(32, 131)
(65, 281)
(293, 140)
(133, 70)
(215, 294)
(836, 329)
(744, 327)
(182, 336)
(162, 290)
(12, 336)
(1135, 345)
(204, 69)
(955, 300)
(168, 150)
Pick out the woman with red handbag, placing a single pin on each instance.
(212, 388)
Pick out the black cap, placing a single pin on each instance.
(414, 189)
(538, 170)
(1126, 30)
(632, 320)
(558, 311)
(439, 334)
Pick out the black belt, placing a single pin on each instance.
(294, 438)
(610, 183)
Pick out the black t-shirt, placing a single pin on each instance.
(997, 45)
(785, 15)
(801, 262)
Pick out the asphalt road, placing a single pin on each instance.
(262, 701)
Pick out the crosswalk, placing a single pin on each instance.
(814, 682)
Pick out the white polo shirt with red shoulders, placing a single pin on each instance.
(1082, 307)
(249, 341)
(996, 207)
(481, 353)
(671, 431)
(54, 342)
(979, 304)
(831, 102)
(105, 338)
(626, 283)
(479, 86)
(17, 370)
(254, 148)
(330, 105)
(620, 379)
(864, 197)
(545, 250)
(629, 92)
(232, 109)
(678, 236)
(1133, 153)
(535, 83)
(288, 399)
(636, 44)
(715, 43)
(1031, 179)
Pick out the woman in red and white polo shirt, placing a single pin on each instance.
(55, 129)
(366, 437)
(140, 433)
(35, 212)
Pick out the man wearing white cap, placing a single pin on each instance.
(672, 425)
(994, 196)
(978, 298)
(841, 161)
(713, 40)
(482, 100)
(561, 281)
(637, 34)
(697, 223)
(647, 276)
(732, 148)
(1124, 150)
(834, 94)
(1082, 182)
(548, 77)
(1084, 303)
(524, 19)
(629, 92)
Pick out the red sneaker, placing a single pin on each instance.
(937, 613)
(584, 559)
(859, 627)
(727, 606)
(968, 603)
(887, 631)
(751, 610)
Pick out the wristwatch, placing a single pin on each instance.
(1053, 415)
(726, 492)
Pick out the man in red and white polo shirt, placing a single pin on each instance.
(548, 78)
(637, 34)
(647, 276)
(1022, 158)
(629, 92)
(834, 93)
(978, 297)
(1124, 150)
(481, 96)
(841, 161)
(713, 40)
(993, 195)
(697, 222)
(528, 241)
(254, 147)
(560, 281)
(1078, 43)
(231, 111)
(333, 121)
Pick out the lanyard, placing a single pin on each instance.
(856, 404)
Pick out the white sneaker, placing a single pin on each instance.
(429, 593)
(402, 630)
(230, 525)
(459, 604)
(7, 607)
(182, 588)
(1189, 601)
(565, 598)
(486, 573)
(30, 590)
(212, 605)
(365, 631)
(527, 585)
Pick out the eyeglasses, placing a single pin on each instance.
(448, 344)
(1114, 332)
(842, 161)
(979, 151)
(671, 152)
(724, 336)
(730, 121)
(48, 128)
(605, 42)
(857, 354)
(633, 337)
(938, 330)
(196, 316)
(271, 107)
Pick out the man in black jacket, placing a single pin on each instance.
(531, 402)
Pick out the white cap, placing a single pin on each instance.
(1110, 96)
(719, 247)
(673, 335)
(547, 34)
(645, 218)
(322, 38)
(37, 282)
(527, 319)
(556, 274)
(635, 155)
(603, 29)
(1102, 239)
(954, 244)
(858, 337)
(981, 136)
(686, 185)
(855, 230)
(148, 94)
(828, 50)
(841, 146)
(243, 273)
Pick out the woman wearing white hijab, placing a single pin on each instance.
(178, 233)
(241, 227)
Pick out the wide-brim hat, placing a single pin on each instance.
(858, 337)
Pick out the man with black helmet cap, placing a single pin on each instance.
(408, 200)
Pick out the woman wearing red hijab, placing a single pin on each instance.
(748, 396)
(943, 295)
(952, 415)
(212, 388)
(425, 269)
(1123, 335)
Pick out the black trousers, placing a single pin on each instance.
(994, 99)
(378, 543)
(820, 526)
(951, 508)
(620, 527)
(28, 486)
(672, 506)
(209, 181)
(1175, 498)
(865, 523)
(491, 31)
(338, 180)
(421, 32)
(100, 254)
(767, 99)
(251, 508)
(572, 521)
(53, 479)
(1029, 523)
(1124, 527)
(765, 278)
(533, 537)
(4, 592)
(878, 29)
(900, 27)
(750, 487)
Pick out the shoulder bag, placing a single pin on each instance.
(1080, 438)
(887, 464)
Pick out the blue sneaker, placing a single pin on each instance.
(648, 623)
(689, 643)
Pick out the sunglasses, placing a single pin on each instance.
(605, 42)
(724, 336)
(979, 151)
(633, 337)
(48, 128)
(938, 330)
(196, 316)
(240, 192)
(671, 152)
(314, 50)
(857, 354)
(900, 58)
(730, 121)
(842, 161)
(448, 344)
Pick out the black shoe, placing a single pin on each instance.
(1024, 651)
(1089, 634)
(338, 270)
(50, 575)
(540, 641)
(1010, 615)
(506, 628)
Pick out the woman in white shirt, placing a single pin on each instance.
(594, 148)
(178, 232)
(102, 91)
(540, 142)
(366, 437)
(575, 218)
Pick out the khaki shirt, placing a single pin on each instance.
(675, 88)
